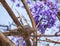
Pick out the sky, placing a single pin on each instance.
(5, 19)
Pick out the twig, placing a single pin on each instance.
(25, 20)
(29, 13)
(32, 21)
(9, 33)
(3, 25)
(43, 35)
(12, 15)
(14, 32)
(58, 15)
(19, 17)
(50, 41)
(5, 40)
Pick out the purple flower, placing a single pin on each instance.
(28, 1)
(41, 28)
(24, 44)
(36, 19)
(13, 1)
(44, 17)
(18, 5)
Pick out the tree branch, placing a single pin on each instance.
(5, 40)
(32, 21)
(29, 13)
(19, 17)
(58, 15)
(43, 35)
(11, 14)
(3, 25)
(49, 40)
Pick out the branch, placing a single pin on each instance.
(15, 20)
(43, 35)
(3, 25)
(11, 14)
(15, 32)
(58, 15)
(8, 33)
(5, 40)
(19, 17)
(25, 20)
(32, 21)
(29, 13)
(49, 40)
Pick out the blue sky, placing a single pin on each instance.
(5, 18)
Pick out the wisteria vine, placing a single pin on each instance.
(44, 14)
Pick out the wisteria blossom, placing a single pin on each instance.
(44, 14)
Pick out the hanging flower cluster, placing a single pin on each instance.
(44, 14)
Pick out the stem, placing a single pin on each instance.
(58, 15)
(11, 14)
(19, 17)
(4, 41)
(29, 13)
(32, 21)
(49, 40)
(28, 43)
(40, 35)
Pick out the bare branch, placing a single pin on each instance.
(19, 17)
(25, 20)
(51, 41)
(3, 25)
(43, 35)
(14, 32)
(58, 15)
(32, 21)
(29, 13)
(5, 40)
(12, 15)
(11, 32)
